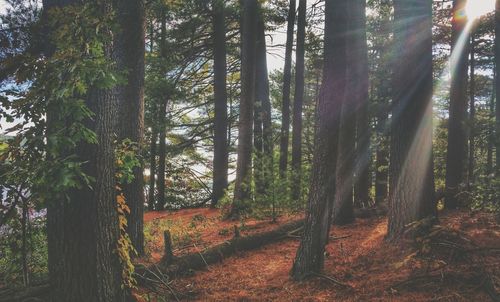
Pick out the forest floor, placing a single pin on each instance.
(459, 262)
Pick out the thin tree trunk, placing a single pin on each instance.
(497, 87)
(131, 43)
(472, 134)
(491, 131)
(152, 168)
(263, 170)
(411, 189)
(287, 80)
(298, 103)
(242, 188)
(160, 181)
(457, 138)
(162, 112)
(220, 161)
(382, 160)
(310, 254)
(24, 244)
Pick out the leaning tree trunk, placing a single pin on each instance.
(310, 254)
(457, 134)
(242, 187)
(298, 103)
(411, 189)
(220, 161)
(83, 228)
(287, 80)
(131, 17)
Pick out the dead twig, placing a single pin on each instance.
(340, 237)
(331, 279)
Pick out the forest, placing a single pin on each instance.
(249, 150)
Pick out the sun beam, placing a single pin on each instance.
(474, 9)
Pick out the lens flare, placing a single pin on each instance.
(474, 9)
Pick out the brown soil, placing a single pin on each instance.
(373, 268)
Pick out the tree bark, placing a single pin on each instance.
(491, 130)
(457, 134)
(242, 188)
(160, 180)
(287, 80)
(263, 167)
(411, 189)
(298, 103)
(152, 168)
(220, 161)
(310, 254)
(472, 113)
(83, 229)
(131, 46)
(356, 96)
(497, 87)
(361, 98)
(162, 112)
(382, 158)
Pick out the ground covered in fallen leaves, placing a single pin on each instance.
(457, 260)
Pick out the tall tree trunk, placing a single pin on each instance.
(310, 254)
(287, 80)
(411, 189)
(162, 112)
(472, 113)
(242, 188)
(152, 168)
(83, 229)
(382, 158)
(457, 138)
(497, 87)
(131, 43)
(220, 161)
(361, 98)
(160, 180)
(491, 130)
(298, 103)
(24, 242)
(263, 170)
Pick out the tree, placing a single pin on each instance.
(355, 103)
(472, 113)
(411, 176)
(263, 143)
(220, 161)
(130, 42)
(242, 187)
(497, 86)
(310, 254)
(457, 132)
(298, 101)
(361, 99)
(162, 112)
(82, 225)
(287, 80)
